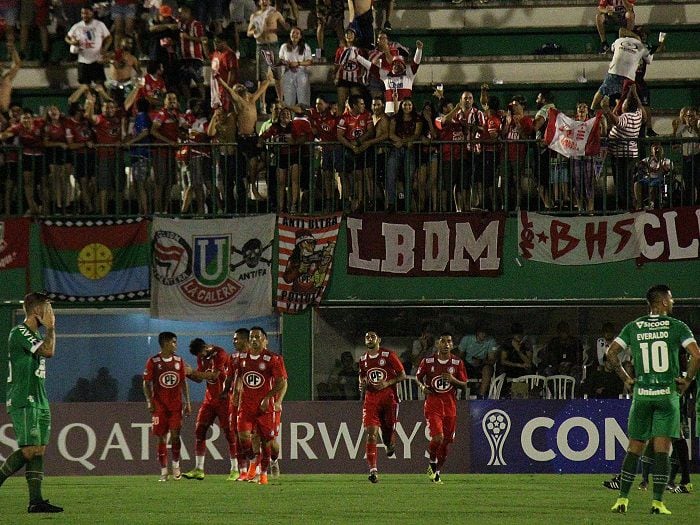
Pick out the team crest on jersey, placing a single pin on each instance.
(169, 380)
(253, 379)
(200, 268)
(451, 370)
(382, 362)
(376, 375)
(262, 366)
(439, 384)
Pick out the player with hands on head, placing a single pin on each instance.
(27, 402)
(439, 376)
(654, 340)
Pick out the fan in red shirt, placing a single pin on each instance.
(82, 157)
(439, 376)
(380, 370)
(55, 144)
(261, 380)
(224, 66)
(164, 386)
(152, 87)
(287, 158)
(29, 134)
(355, 129)
(193, 49)
(166, 129)
(324, 123)
(213, 367)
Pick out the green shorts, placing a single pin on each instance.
(32, 425)
(654, 417)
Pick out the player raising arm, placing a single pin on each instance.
(654, 340)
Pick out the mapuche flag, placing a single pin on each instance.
(90, 262)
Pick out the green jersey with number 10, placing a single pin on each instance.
(654, 341)
(26, 370)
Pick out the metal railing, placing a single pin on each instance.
(228, 179)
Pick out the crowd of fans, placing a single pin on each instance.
(158, 139)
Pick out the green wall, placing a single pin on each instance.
(521, 282)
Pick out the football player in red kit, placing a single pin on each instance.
(212, 366)
(439, 376)
(380, 370)
(261, 379)
(164, 386)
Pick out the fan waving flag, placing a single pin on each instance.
(306, 246)
(95, 261)
(572, 138)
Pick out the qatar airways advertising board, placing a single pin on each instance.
(519, 436)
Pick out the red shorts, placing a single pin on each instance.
(164, 420)
(208, 412)
(262, 423)
(439, 424)
(380, 409)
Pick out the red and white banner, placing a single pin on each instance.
(212, 269)
(410, 245)
(658, 235)
(14, 243)
(572, 138)
(306, 246)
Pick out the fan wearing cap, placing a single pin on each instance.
(398, 82)
(165, 31)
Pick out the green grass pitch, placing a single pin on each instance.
(497, 499)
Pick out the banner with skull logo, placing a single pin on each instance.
(212, 269)
(306, 246)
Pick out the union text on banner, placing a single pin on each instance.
(578, 240)
(14, 243)
(95, 261)
(306, 246)
(572, 138)
(410, 245)
(213, 269)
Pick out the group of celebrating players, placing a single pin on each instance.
(245, 392)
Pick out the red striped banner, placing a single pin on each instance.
(306, 246)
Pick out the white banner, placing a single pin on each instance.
(573, 138)
(212, 269)
(580, 240)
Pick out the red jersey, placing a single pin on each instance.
(78, 131)
(31, 140)
(152, 87)
(168, 377)
(349, 69)
(470, 120)
(383, 366)
(443, 395)
(56, 131)
(107, 131)
(192, 50)
(218, 360)
(354, 126)
(453, 131)
(493, 129)
(170, 123)
(527, 128)
(324, 124)
(258, 375)
(301, 129)
(198, 135)
(223, 64)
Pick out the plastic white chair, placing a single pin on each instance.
(496, 386)
(408, 389)
(560, 387)
(533, 381)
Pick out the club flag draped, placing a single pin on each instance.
(86, 261)
(572, 138)
(212, 269)
(306, 246)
